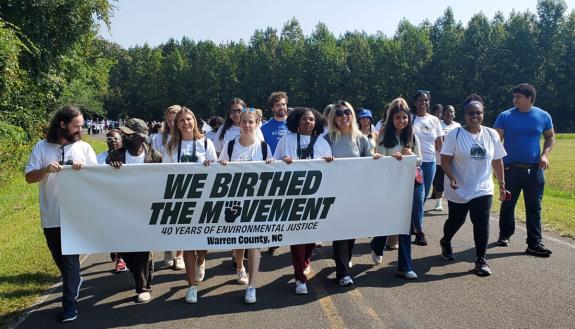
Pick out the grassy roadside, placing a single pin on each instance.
(26, 266)
(559, 196)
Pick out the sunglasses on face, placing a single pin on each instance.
(339, 113)
(236, 111)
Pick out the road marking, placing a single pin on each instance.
(335, 319)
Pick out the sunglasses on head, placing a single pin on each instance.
(339, 113)
(249, 110)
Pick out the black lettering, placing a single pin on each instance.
(263, 210)
(211, 212)
(312, 208)
(186, 213)
(279, 183)
(265, 177)
(280, 210)
(249, 181)
(235, 184)
(156, 208)
(327, 202)
(296, 209)
(249, 209)
(220, 187)
(198, 183)
(171, 213)
(177, 186)
(295, 183)
(312, 182)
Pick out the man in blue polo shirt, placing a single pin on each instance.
(276, 128)
(521, 128)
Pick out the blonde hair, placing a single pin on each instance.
(177, 135)
(166, 131)
(334, 131)
(256, 112)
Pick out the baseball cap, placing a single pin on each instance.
(135, 126)
(362, 113)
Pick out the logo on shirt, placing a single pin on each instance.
(477, 152)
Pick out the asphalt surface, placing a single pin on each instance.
(523, 292)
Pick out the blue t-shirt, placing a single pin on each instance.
(522, 133)
(273, 131)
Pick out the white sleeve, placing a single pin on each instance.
(280, 148)
(217, 141)
(322, 148)
(35, 159)
(211, 151)
(224, 155)
(91, 158)
(449, 143)
(270, 155)
(438, 129)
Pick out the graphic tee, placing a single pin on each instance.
(427, 129)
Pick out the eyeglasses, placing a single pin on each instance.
(112, 139)
(474, 113)
(236, 111)
(339, 113)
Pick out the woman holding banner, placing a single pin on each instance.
(398, 139)
(346, 141)
(188, 144)
(247, 147)
(303, 142)
(467, 158)
(231, 127)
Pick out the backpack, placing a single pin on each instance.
(264, 147)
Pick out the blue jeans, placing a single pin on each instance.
(532, 182)
(417, 208)
(428, 169)
(403, 254)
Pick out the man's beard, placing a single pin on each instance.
(71, 138)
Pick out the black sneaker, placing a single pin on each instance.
(446, 250)
(69, 312)
(420, 239)
(481, 268)
(502, 242)
(538, 250)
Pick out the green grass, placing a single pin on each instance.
(26, 266)
(559, 197)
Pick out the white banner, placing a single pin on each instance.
(187, 206)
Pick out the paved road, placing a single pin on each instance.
(523, 292)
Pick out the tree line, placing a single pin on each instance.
(50, 55)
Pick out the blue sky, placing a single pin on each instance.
(136, 22)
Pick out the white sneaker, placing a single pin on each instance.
(300, 288)
(168, 259)
(179, 263)
(143, 297)
(192, 295)
(307, 270)
(250, 297)
(200, 272)
(408, 275)
(243, 276)
(345, 281)
(376, 259)
(438, 205)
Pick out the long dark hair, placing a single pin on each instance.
(229, 122)
(406, 138)
(66, 114)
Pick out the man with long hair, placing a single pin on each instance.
(61, 147)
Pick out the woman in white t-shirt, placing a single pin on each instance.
(247, 147)
(188, 144)
(468, 156)
(428, 129)
(304, 141)
(231, 127)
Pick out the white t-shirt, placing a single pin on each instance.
(471, 165)
(137, 159)
(42, 155)
(287, 145)
(231, 133)
(427, 128)
(157, 143)
(446, 129)
(211, 135)
(101, 158)
(242, 153)
(187, 150)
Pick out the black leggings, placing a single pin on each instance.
(478, 209)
